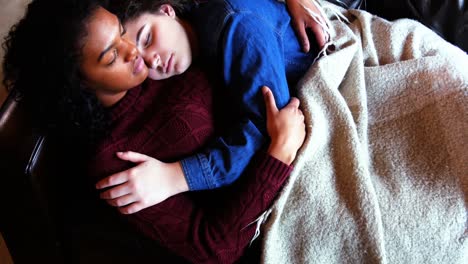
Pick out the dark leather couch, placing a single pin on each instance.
(50, 216)
(448, 18)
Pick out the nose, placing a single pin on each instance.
(152, 60)
(131, 50)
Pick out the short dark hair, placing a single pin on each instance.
(41, 65)
(127, 10)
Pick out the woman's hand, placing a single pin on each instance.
(286, 127)
(302, 19)
(147, 184)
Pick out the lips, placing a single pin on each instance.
(138, 65)
(168, 64)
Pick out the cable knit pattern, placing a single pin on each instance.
(168, 120)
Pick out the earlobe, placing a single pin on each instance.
(168, 10)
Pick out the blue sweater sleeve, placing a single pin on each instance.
(252, 57)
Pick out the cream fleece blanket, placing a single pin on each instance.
(383, 174)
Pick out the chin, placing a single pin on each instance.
(155, 77)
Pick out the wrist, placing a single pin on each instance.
(281, 153)
(180, 183)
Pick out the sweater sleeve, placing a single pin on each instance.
(219, 232)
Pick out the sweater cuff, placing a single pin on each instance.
(275, 170)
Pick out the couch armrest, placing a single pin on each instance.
(25, 223)
(448, 18)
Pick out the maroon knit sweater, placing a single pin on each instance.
(169, 120)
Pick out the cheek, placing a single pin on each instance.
(184, 64)
(120, 78)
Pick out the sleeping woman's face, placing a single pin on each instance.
(163, 42)
(111, 64)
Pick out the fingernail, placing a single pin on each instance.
(120, 153)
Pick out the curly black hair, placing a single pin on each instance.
(41, 66)
(127, 10)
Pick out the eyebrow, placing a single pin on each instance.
(104, 52)
(108, 48)
(139, 34)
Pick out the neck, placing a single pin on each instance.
(193, 38)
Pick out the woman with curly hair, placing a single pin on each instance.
(78, 73)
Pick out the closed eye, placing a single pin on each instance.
(148, 40)
(114, 58)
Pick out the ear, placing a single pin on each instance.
(87, 85)
(167, 10)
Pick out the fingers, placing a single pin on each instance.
(269, 101)
(302, 35)
(113, 180)
(131, 156)
(294, 103)
(301, 114)
(271, 104)
(116, 192)
(320, 35)
(131, 208)
(294, 106)
(122, 201)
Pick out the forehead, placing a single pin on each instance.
(144, 17)
(134, 25)
(102, 27)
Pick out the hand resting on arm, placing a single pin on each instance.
(306, 15)
(152, 181)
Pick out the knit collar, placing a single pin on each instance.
(121, 107)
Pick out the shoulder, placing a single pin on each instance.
(261, 17)
(269, 12)
(220, 22)
(254, 6)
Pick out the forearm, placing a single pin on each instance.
(224, 159)
(220, 232)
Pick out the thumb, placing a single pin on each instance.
(269, 101)
(294, 103)
(134, 157)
